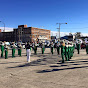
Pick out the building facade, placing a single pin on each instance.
(24, 34)
(6, 36)
(38, 34)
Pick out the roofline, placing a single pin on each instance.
(40, 28)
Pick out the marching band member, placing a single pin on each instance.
(58, 48)
(26, 48)
(13, 49)
(30, 46)
(71, 50)
(55, 46)
(6, 51)
(66, 51)
(69, 54)
(86, 41)
(35, 48)
(78, 47)
(42, 48)
(19, 49)
(28, 51)
(52, 46)
(62, 50)
(2, 49)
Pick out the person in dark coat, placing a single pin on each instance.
(28, 51)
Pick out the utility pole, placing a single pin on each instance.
(4, 26)
(15, 34)
(19, 33)
(59, 28)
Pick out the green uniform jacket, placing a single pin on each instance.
(62, 49)
(2, 50)
(78, 46)
(62, 52)
(87, 48)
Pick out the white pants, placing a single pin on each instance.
(28, 55)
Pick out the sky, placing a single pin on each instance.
(45, 14)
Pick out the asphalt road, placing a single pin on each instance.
(44, 71)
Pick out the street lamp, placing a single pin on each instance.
(4, 26)
(59, 27)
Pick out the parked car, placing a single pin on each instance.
(83, 45)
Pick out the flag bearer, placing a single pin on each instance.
(78, 47)
(58, 48)
(52, 46)
(13, 50)
(19, 49)
(2, 49)
(6, 51)
(42, 48)
(62, 50)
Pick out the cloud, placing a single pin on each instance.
(84, 34)
(7, 29)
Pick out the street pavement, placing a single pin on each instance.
(44, 71)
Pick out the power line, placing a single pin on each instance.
(74, 28)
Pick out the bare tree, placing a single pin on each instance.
(78, 35)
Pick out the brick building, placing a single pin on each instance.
(6, 36)
(40, 34)
(0, 30)
(24, 34)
